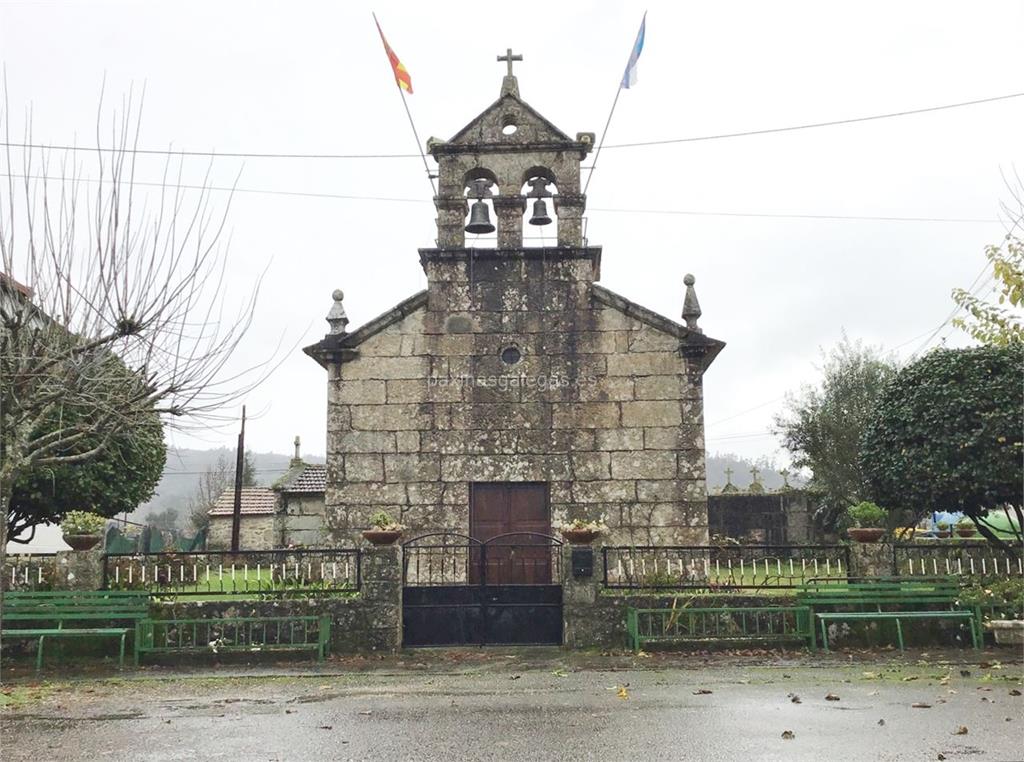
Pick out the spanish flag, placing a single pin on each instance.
(402, 78)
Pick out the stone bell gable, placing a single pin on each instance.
(514, 366)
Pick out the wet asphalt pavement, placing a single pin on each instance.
(532, 705)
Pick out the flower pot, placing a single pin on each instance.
(966, 531)
(865, 534)
(1008, 632)
(942, 534)
(382, 536)
(82, 541)
(579, 536)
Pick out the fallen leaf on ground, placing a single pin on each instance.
(961, 731)
(789, 735)
(921, 705)
(944, 681)
(514, 677)
(643, 655)
(941, 755)
(326, 727)
(701, 692)
(1014, 692)
(794, 698)
(908, 678)
(831, 697)
(965, 673)
(366, 712)
(881, 722)
(622, 693)
(560, 673)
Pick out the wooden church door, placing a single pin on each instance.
(507, 508)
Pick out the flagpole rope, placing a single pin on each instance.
(419, 143)
(604, 134)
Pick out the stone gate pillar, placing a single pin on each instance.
(382, 596)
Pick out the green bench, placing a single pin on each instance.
(234, 634)
(49, 611)
(904, 600)
(740, 624)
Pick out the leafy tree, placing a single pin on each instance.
(946, 434)
(998, 324)
(822, 426)
(249, 470)
(123, 474)
(92, 271)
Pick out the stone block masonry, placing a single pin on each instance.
(602, 405)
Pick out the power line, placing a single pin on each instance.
(667, 141)
(686, 212)
(813, 125)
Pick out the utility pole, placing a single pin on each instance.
(236, 518)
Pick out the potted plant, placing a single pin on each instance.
(580, 532)
(942, 529)
(868, 522)
(82, 530)
(383, 530)
(965, 527)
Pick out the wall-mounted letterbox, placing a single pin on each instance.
(582, 562)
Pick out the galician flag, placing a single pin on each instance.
(402, 78)
(629, 77)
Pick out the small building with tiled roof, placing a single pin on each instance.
(289, 512)
(300, 495)
(257, 527)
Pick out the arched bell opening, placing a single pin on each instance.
(481, 186)
(541, 221)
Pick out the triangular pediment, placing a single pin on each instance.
(488, 127)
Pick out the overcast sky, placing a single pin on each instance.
(304, 77)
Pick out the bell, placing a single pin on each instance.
(540, 213)
(479, 219)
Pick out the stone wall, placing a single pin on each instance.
(255, 532)
(601, 406)
(369, 621)
(302, 520)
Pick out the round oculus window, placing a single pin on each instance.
(511, 355)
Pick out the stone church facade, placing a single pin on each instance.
(515, 393)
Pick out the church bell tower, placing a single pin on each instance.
(513, 163)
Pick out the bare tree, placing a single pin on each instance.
(212, 484)
(97, 268)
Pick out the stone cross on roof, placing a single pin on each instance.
(509, 85)
(510, 57)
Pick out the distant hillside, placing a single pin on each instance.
(185, 467)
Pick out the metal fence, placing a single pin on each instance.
(728, 567)
(448, 559)
(324, 571)
(980, 560)
(29, 571)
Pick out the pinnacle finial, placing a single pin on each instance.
(691, 307)
(336, 318)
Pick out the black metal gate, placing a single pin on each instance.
(460, 591)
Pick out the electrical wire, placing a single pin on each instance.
(639, 144)
(687, 212)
